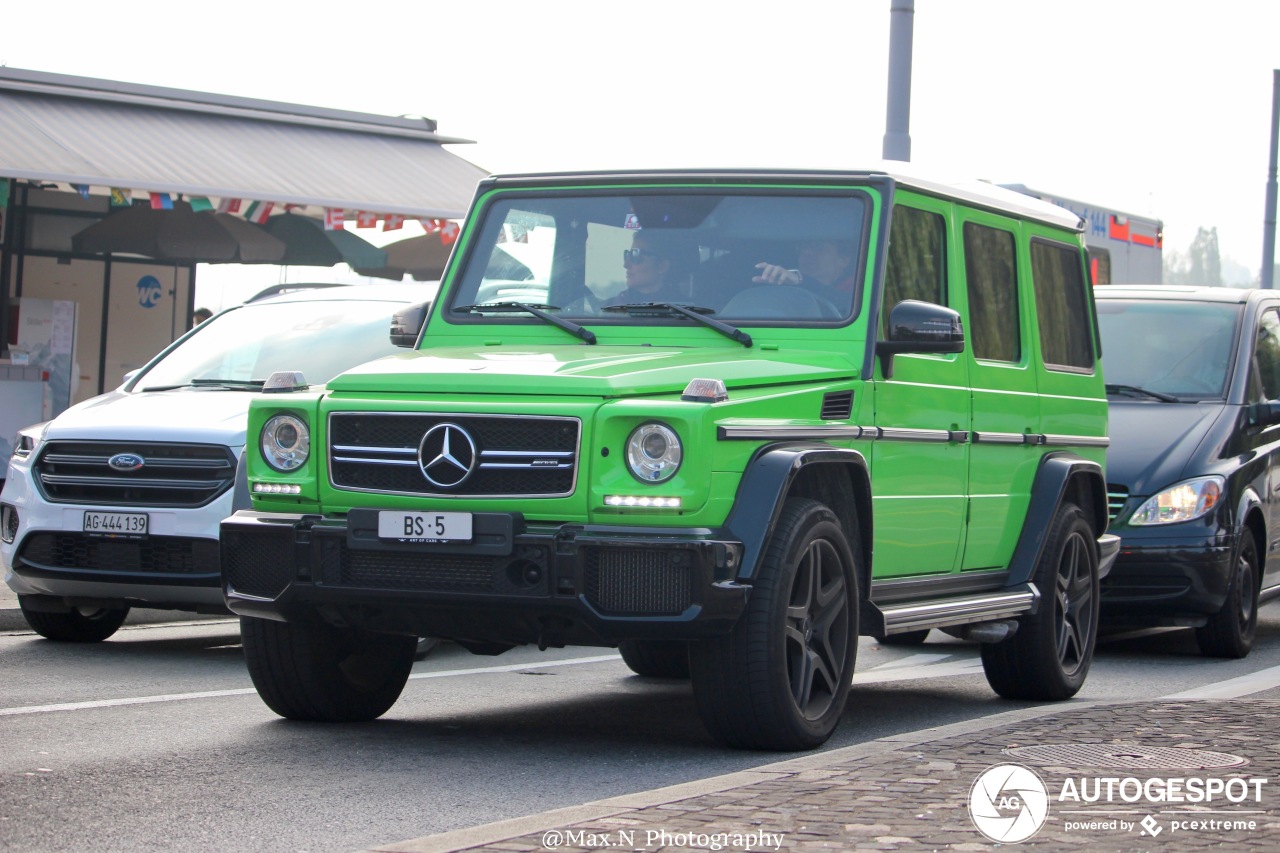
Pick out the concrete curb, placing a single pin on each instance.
(497, 832)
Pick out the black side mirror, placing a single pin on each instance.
(919, 327)
(406, 324)
(1264, 414)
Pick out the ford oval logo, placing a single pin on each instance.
(126, 462)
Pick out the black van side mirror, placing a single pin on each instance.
(406, 324)
(919, 327)
(1264, 414)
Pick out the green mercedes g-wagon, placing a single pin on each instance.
(727, 421)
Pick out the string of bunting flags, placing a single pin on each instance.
(335, 219)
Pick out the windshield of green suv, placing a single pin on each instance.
(241, 348)
(627, 257)
(1160, 347)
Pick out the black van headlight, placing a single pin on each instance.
(1185, 501)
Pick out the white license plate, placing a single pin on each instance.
(116, 523)
(424, 526)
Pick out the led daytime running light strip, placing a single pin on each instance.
(276, 489)
(646, 501)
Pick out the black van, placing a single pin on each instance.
(1193, 382)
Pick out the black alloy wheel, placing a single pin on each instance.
(1049, 656)
(1229, 633)
(780, 679)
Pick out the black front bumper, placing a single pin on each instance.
(513, 583)
(1164, 580)
(161, 572)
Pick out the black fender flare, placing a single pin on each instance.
(1249, 501)
(767, 481)
(1058, 474)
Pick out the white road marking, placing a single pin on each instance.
(1254, 682)
(245, 691)
(942, 669)
(917, 666)
(911, 660)
(515, 667)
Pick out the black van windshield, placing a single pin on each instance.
(1176, 349)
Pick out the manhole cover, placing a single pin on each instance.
(1124, 755)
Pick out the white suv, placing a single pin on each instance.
(116, 502)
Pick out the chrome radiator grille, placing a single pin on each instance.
(170, 475)
(487, 455)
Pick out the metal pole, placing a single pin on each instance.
(897, 137)
(1269, 220)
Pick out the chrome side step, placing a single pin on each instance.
(899, 617)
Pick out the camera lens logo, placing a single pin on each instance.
(1008, 803)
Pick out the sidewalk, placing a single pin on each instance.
(1131, 775)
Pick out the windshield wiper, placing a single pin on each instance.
(227, 384)
(1135, 391)
(539, 311)
(693, 312)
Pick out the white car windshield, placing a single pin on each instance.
(244, 346)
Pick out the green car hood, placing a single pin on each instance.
(586, 371)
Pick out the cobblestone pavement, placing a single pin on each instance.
(1116, 777)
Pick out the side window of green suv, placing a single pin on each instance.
(1062, 306)
(991, 275)
(917, 262)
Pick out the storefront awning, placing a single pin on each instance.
(101, 133)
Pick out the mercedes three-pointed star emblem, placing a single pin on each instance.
(447, 455)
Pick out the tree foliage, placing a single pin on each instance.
(1201, 264)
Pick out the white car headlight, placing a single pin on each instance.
(653, 453)
(1184, 502)
(286, 443)
(30, 438)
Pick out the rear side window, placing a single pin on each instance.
(992, 280)
(1062, 301)
(916, 267)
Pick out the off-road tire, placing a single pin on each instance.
(78, 625)
(309, 670)
(909, 638)
(656, 658)
(1229, 632)
(780, 678)
(1049, 656)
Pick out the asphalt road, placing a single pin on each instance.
(156, 740)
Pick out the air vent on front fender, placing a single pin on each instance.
(837, 406)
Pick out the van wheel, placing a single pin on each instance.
(309, 670)
(77, 625)
(1049, 657)
(780, 678)
(910, 638)
(656, 658)
(1229, 632)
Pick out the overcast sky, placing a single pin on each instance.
(1155, 107)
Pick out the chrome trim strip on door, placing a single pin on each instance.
(777, 431)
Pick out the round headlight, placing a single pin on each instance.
(286, 443)
(653, 453)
